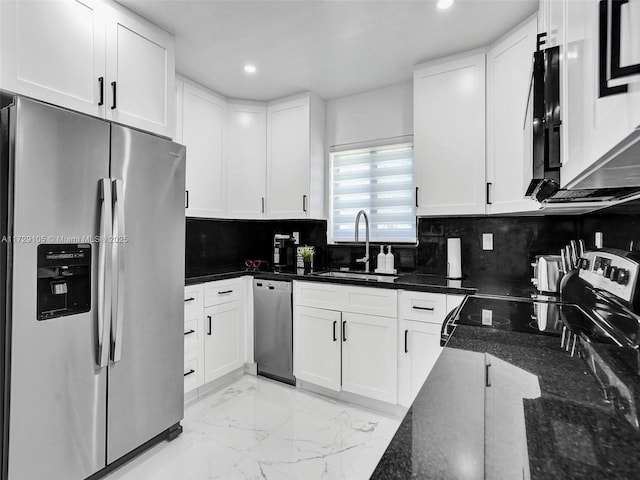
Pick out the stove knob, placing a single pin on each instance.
(623, 276)
(613, 273)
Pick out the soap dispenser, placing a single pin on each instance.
(382, 260)
(390, 260)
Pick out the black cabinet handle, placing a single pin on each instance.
(344, 330)
(430, 309)
(335, 322)
(186, 199)
(189, 332)
(406, 349)
(304, 203)
(189, 372)
(417, 196)
(209, 318)
(101, 86)
(262, 204)
(225, 292)
(488, 192)
(190, 299)
(113, 89)
(487, 379)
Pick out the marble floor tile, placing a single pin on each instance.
(259, 429)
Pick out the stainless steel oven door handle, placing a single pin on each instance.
(118, 270)
(104, 273)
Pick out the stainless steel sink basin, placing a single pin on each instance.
(371, 277)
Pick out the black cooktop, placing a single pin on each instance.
(528, 316)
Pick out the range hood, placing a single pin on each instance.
(614, 177)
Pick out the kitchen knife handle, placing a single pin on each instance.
(344, 330)
(335, 323)
(114, 90)
(406, 348)
(104, 271)
(210, 328)
(189, 372)
(101, 87)
(117, 258)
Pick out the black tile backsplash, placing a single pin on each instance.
(213, 243)
(516, 241)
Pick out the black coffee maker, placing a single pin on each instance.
(284, 252)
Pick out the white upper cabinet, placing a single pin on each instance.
(54, 51)
(595, 123)
(90, 56)
(295, 158)
(246, 159)
(449, 135)
(203, 120)
(140, 73)
(509, 155)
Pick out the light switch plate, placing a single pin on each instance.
(487, 241)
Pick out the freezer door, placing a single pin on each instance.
(146, 370)
(58, 391)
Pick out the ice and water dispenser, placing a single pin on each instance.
(64, 280)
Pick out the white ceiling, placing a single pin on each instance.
(331, 47)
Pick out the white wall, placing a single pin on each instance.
(373, 115)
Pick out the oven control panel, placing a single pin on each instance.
(614, 271)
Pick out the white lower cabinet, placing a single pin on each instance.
(369, 356)
(316, 346)
(215, 330)
(223, 339)
(419, 327)
(347, 348)
(418, 350)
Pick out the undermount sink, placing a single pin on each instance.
(371, 277)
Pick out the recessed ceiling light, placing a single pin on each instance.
(444, 4)
(250, 68)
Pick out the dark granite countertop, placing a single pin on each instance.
(567, 428)
(405, 281)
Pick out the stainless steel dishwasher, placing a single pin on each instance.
(273, 330)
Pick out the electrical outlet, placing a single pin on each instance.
(487, 241)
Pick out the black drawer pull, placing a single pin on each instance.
(189, 332)
(189, 372)
(113, 88)
(101, 83)
(487, 378)
(335, 322)
(190, 299)
(225, 292)
(429, 309)
(344, 330)
(406, 349)
(209, 318)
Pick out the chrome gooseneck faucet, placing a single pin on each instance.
(364, 259)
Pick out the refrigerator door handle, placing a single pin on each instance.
(104, 273)
(119, 238)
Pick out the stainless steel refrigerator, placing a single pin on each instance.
(92, 264)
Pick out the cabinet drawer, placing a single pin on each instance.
(223, 291)
(193, 334)
(193, 370)
(318, 295)
(373, 301)
(423, 306)
(193, 300)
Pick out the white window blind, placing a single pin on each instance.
(379, 181)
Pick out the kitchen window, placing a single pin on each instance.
(378, 180)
